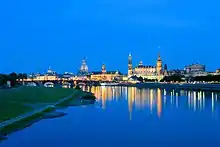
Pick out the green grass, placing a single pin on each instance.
(10, 110)
(12, 101)
(21, 124)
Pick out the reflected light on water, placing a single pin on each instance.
(194, 100)
(189, 99)
(177, 101)
(213, 102)
(104, 94)
(159, 102)
(154, 99)
(151, 100)
(165, 97)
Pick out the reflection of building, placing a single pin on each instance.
(131, 99)
(146, 71)
(106, 75)
(159, 102)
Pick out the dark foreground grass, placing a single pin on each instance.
(12, 110)
(23, 123)
(12, 101)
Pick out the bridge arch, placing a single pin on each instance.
(49, 84)
(66, 85)
(32, 84)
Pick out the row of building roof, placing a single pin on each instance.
(146, 71)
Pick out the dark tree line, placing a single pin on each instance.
(179, 78)
(173, 78)
(12, 77)
(209, 78)
(141, 79)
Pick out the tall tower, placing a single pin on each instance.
(165, 70)
(159, 65)
(129, 65)
(84, 67)
(103, 69)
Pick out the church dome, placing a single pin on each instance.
(84, 67)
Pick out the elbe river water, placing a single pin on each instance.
(130, 117)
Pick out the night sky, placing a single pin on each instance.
(36, 34)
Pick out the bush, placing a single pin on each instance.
(78, 87)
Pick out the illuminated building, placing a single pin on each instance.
(218, 71)
(84, 68)
(146, 71)
(50, 75)
(106, 75)
(176, 72)
(195, 70)
(129, 65)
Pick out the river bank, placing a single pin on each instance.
(24, 107)
(204, 87)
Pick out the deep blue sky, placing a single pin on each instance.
(37, 33)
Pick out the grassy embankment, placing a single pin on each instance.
(16, 102)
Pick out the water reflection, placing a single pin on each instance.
(155, 100)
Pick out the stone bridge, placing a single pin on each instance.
(61, 83)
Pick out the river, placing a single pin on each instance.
(130, 117)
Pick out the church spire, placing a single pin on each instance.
(158, 57)
(129, 64)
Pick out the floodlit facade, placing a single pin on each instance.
(84, 68)
(146, 71)
(195, 70)
(105, 75)
(49, 76)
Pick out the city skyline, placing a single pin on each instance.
(34, 35)
(136, 62)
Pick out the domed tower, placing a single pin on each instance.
(159, 65)
(129, 65)
(84, 68)
(103, 68)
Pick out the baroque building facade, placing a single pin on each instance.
(195, 70)
(105, 75)
(84, 70)
(147, 71)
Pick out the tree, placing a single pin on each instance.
(149, 80)
(140, 79)
(3, 79)
(24, 75)
(172, 78)
(208, 78)
(20, 76)
(12, 77)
